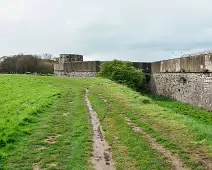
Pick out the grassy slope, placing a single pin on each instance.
(181, 108)
(130, 150)
(68, 119)
(20, 100)
(183, 134)
(63, 119)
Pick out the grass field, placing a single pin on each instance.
(44, 123)
(54, 130)
(183, 134)
(21, 100)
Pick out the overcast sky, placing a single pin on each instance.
(136, 30)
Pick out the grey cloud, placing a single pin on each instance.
(138, 30)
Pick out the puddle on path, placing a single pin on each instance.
(102, 155)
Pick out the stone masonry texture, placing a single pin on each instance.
(192, 88)
(187, 79)
(75, 74)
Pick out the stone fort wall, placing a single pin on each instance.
(72, 65)
(186, 79)
(77, 69)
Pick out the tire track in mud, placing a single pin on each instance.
(102, 155)
(176, 163)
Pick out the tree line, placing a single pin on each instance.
(21, 64)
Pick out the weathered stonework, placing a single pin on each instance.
(192, 88)
(199, 63)
(72, 65)
(81, 74)
(75, 74)
(187, 79)
(208, 62)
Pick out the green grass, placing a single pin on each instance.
(199, 114)
(21, 100)
(182, 133)
(35, 108)
(67, 118)
(130, 149)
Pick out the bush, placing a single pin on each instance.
(123, 72)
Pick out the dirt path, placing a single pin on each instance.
(175, 162)
(102, 156)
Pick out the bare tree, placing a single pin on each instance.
(26, 63)
(47, 56)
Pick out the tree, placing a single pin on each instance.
(124, 73)
(26, 63)
(47, 56)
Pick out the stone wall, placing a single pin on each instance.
(89, 68)
(192, 88)
(75, 74)
(186, 79)
(82, 66)
(69, 58)
(58, 67)
(198, 63)
(77, 69)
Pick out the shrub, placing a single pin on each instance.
(123, 72)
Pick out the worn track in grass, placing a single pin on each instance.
(176, 163)
(188, 138)
(102, 156)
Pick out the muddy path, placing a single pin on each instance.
(102, 155)
(176, 163)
